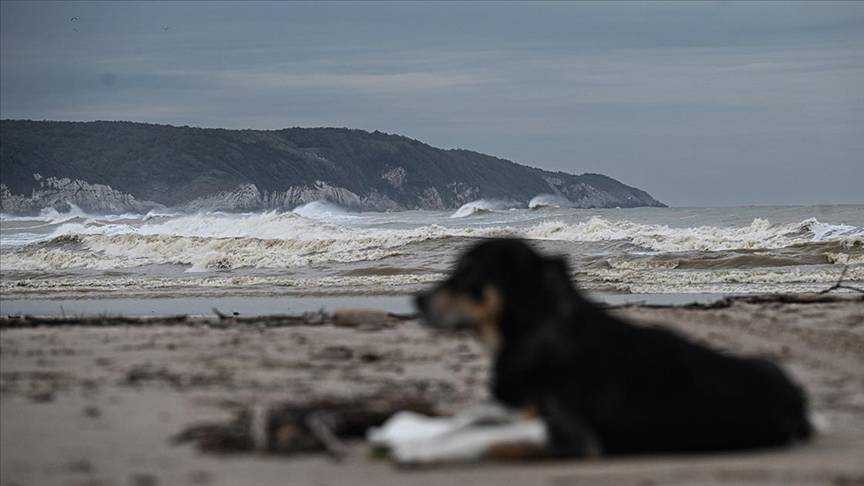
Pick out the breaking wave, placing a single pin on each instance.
(217, 242)
(98, 251)
(482, 206)
(548, 201)
(321, 211)
(49, 215)
(760, 234)
(320, 233)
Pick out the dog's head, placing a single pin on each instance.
(500, 289)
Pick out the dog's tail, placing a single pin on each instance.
(801, 422)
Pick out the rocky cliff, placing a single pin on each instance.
(124, 166)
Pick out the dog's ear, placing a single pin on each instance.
(557, 271)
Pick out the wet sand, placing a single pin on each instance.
(159, 305)
(97, 404)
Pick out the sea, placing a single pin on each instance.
(321, 254)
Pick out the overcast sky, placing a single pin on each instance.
(728, 103)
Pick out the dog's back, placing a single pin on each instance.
(650, 390)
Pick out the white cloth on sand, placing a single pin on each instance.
(468, 436)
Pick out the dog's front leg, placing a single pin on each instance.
(517, 375)
(568, 433)
(520, 371)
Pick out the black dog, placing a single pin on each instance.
(601, 385)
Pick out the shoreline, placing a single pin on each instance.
(260, 306)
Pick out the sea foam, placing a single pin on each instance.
(548, 201)
(760, 234)
(322, 211)
(218, 241)
(483, 206)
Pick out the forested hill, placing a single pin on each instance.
(125, 166)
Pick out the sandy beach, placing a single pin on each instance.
(233, 235)
(97, 402)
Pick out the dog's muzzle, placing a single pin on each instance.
(436, 313)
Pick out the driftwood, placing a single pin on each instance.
(322, 426)
(220, 321)
(309, 319)
(809, 298)
(385, 320)
(95, 321)
(840, 285)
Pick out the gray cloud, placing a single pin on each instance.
(701, 103)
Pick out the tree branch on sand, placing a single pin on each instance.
(841, 285)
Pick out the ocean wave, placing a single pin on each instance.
(482, 206)
(157, 214)
(324, 221)
(652, 281)
(844, 258)
(268, 225)
(105, 252)
(717, 281)
(710, 261)
(322, 211)
(548, 201)
(217, 284)
(271, 240)
(214, 241)
(205, 242)
(760, 234)
(629, 263)
(833, 232)
(52, 216)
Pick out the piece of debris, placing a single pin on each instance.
(316, 427)
(148, 373)
(144, 479)
(365, 319)
(483, 432)
(409, 431)
(334, 353)
(42, 396)
(92, 411)
(370, 357)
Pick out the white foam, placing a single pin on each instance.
(50, 215)
(269, 225)
(481, 206)
(760, 234)
(214, 241)
(548, 201)
(13, 217)
(196, 283)
(661, 281)
(20, 239)
(322, 211)
(844, 258)
(830, 232)
(217, 242)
